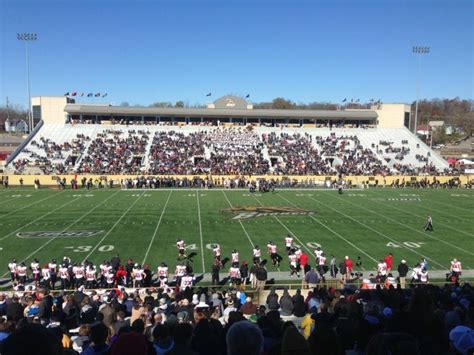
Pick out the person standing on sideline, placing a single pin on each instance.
(429, 224)
(389, 261)
(456, 268)
(402, 273)
(333, 267)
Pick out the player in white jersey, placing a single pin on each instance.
(257, 254)
(35, 269)
(12, 267)
(186, 281)
(322, 268)
(415, 277)
(298, 253)
(110, 278)
(235, 256)
(137, 276)
(216, 251)
(64, 276)
(21, 273)
(318, 252)
(78, 271)
(91, 277)
(456, 267)
(235, 277)
(45, 277)
(53, 272)
(272, 250)
(424, 279)
(179, 273)
(288, 243)
(382, 270)
(181, 245)
(294, 267)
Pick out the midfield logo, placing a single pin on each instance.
(245, 212)
(56, 234)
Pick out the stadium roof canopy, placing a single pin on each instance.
(100, 110)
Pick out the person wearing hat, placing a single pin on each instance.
(402, 273)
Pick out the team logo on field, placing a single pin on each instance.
(56, 234)
(245, 212)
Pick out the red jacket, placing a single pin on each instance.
(349, 265)
(389, 261)
(303, 259)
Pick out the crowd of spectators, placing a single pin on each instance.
(115, 152)
(425, 319)
(173, 153)
(294, 154)
(219, 151)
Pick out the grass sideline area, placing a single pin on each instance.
(144, 225)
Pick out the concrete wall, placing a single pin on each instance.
(52, 108)
(392, 115)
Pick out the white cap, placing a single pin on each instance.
(346, 257)
(403, 261)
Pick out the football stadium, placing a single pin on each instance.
(243, 224)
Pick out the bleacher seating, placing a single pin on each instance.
(171, 150)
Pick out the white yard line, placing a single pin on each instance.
(32, 204)
(111, 229)
(156, 228)
(303, 245)
(380, 233)
(241, 224)
(417, 215)
(39, 218)
(413, 229)
(333, 232)
(65, 229)
(200, 232)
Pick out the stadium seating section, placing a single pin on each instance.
(179, 150)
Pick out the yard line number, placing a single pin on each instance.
(87, 248)
(407, 244)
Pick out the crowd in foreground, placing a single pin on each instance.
(425, 319)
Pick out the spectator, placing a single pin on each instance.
(163, 342)
(299, 307)
(248, 308)
(182, 340)
(98, 336)
(272, 300)
(286, 303)
(253, 344)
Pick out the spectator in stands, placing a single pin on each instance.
(286, 303)
(98, 336)
(253, 344)
(272, 300)
(248, 308)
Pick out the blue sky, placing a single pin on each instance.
(147, 51)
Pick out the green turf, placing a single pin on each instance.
(357, 223)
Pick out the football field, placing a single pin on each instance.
(144, 225)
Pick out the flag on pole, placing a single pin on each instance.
(74, 93)
(357, 100)
(90, 94)
(104, 95)
(82, 94)
(66, 94)
(97, 95)
(248, 95)
(209, 94)
(345, 99)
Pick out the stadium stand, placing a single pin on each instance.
(196, 149)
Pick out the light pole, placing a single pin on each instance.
(419, 51)
(27, 37)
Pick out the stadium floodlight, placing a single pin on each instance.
(419, 50)
(28, 37)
